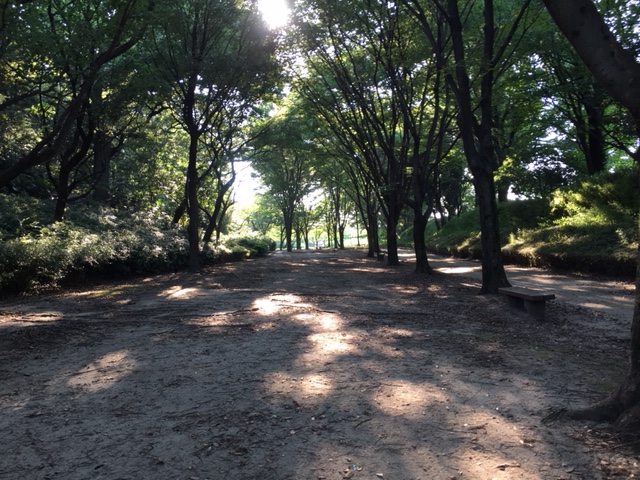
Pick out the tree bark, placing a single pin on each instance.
(393, 209)
(477, 140)
(596, 155)
(371, 226)
(419, 244)
(288, 229)
(614, 67)
(193, 208)
(62, 193)
(493, 272)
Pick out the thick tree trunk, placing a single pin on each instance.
(341, 236)
(419, 244)
(62, 194)
(394, 208)
(503, 191)
(392, 244)
(288, 230)
(477, 139)
(493, 273)
(193, 209)
(371, 226)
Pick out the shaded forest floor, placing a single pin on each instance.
(304, 365)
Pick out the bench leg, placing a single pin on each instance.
(535, 308)
(516, 302)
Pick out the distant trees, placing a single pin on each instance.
(142, 105)
(282, 158)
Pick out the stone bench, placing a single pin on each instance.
(533, 301)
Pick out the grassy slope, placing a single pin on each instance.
(592, 228)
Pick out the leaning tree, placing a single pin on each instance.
(617, 69)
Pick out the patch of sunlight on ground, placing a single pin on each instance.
(104, 292)
(28, 319)
(481, 465)
(332, 343)
(177, 292)
(497, 430)
(282, 383)
(103, 372)
(316, 384)
(366, 269)
(398, 332)
(459, 270)
(405, 289)
(408, 398)
(272, 304)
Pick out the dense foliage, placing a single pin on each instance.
(590, 227)
(97, 240)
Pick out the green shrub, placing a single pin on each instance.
(22, 215)
(590, 227)
(254, 245)
(603, 199)
(94, 241)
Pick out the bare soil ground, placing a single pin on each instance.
(304, 365)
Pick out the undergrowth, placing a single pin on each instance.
(95, 240)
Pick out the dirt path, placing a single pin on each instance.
(613, 297)
(309, 365)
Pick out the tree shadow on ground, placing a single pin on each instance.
(303, 365)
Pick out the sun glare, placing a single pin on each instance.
(274, 12)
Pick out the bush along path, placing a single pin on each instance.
(314, 365)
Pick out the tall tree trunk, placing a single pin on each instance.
(419, 244)
(371, 227)
(493, 272)
(393, 210)
(477, 141)
(62, 193)
(193, 208)
(503, 191)
(288, 229)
